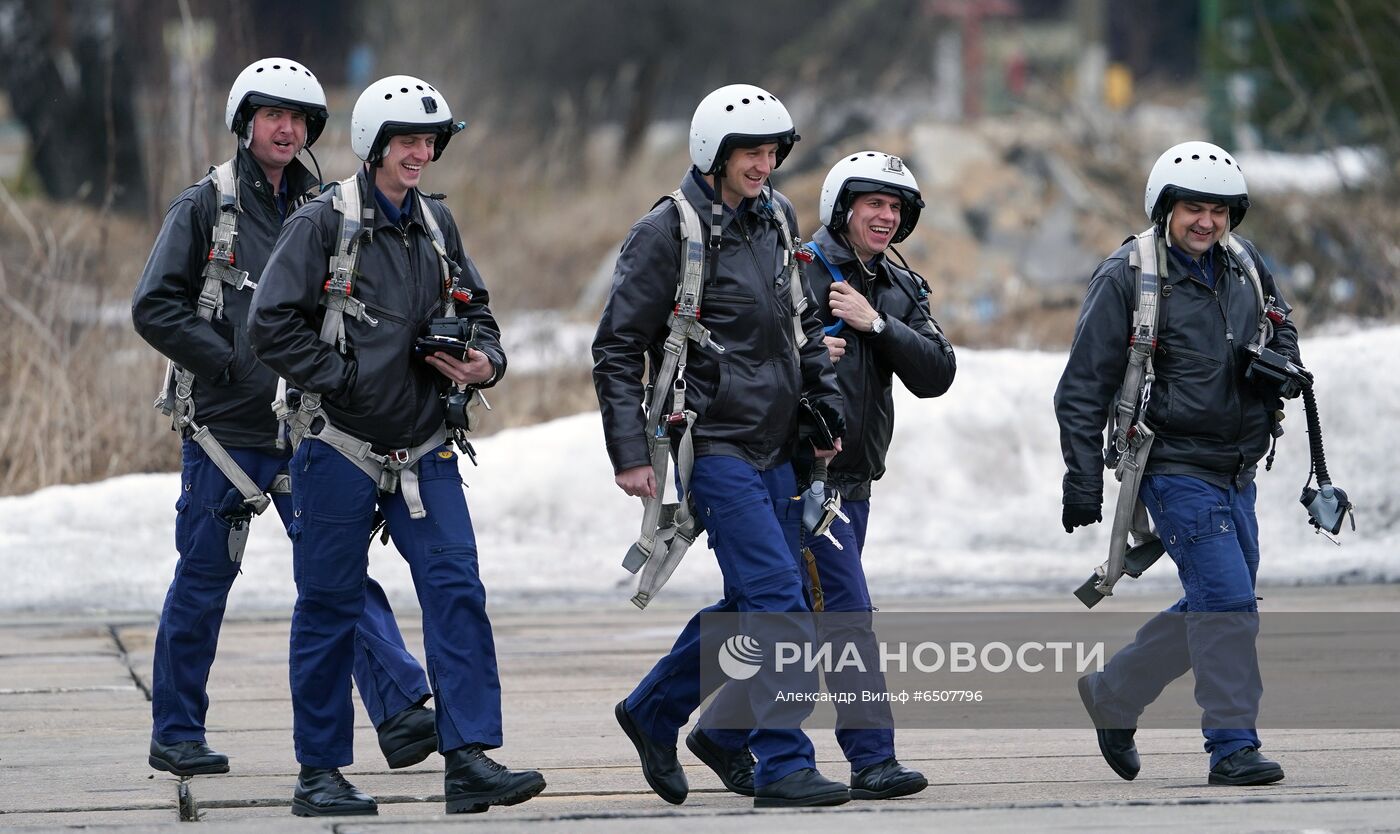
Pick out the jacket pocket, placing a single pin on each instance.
(1191, 393)
(244, 361)
(723, 310)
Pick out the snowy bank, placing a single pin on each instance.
(970, 505)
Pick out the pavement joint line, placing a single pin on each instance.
(904, 806)
(24, 657)
(125, 659)
(63, 690)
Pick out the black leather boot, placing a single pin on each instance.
(886, 780)
(801, 789)
(186, 758)
(1116, 745)
(408, 737)
(660, 766)
(323, 792)
(1245, 767)
(733, 767)
(474, 782)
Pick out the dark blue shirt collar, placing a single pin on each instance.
(283, 197)
(394, 214)
(1202, 270)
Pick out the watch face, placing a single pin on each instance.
(878, 326)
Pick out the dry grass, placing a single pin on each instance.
(77, 381)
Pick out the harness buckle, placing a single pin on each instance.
(675, 418)
(221, 252)
(1137, 338)
(338, 283)
(399, 456)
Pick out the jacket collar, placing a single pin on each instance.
(702, 197)
(839, 254)
(380, 220)
(300, 182)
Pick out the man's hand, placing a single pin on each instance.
(475, 370)
(1080, 515)
(851, 307)
(639, 481)
(828, 454)
(835, 347)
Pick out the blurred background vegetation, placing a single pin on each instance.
(1031, 125)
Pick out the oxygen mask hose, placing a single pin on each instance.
(1327, 505)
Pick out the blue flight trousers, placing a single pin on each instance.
(754, 520)
(846, 594)
(1213, 536)
(388, 677)
(333, 508)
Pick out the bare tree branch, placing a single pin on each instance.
(1369, 62)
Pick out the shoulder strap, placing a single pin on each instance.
(340, 283)
(1147, 258)
(1265, 333)
(684, 322)
(449, 288)
(668, 529)
(795, 293)
(836, 277)
(219, 269)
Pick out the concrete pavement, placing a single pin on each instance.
(75, 723)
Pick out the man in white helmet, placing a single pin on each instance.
(1210, 420)
(743, 387)
(877, 327)
(192, 304)
(357, 310)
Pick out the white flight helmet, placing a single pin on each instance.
(865, 172)
(276, 82)
(396, 105)
(1197, 170)
(738, 116)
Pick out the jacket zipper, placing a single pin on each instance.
(770, 293)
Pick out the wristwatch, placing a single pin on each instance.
(878, 325)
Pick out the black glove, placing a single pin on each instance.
(1080, 514)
